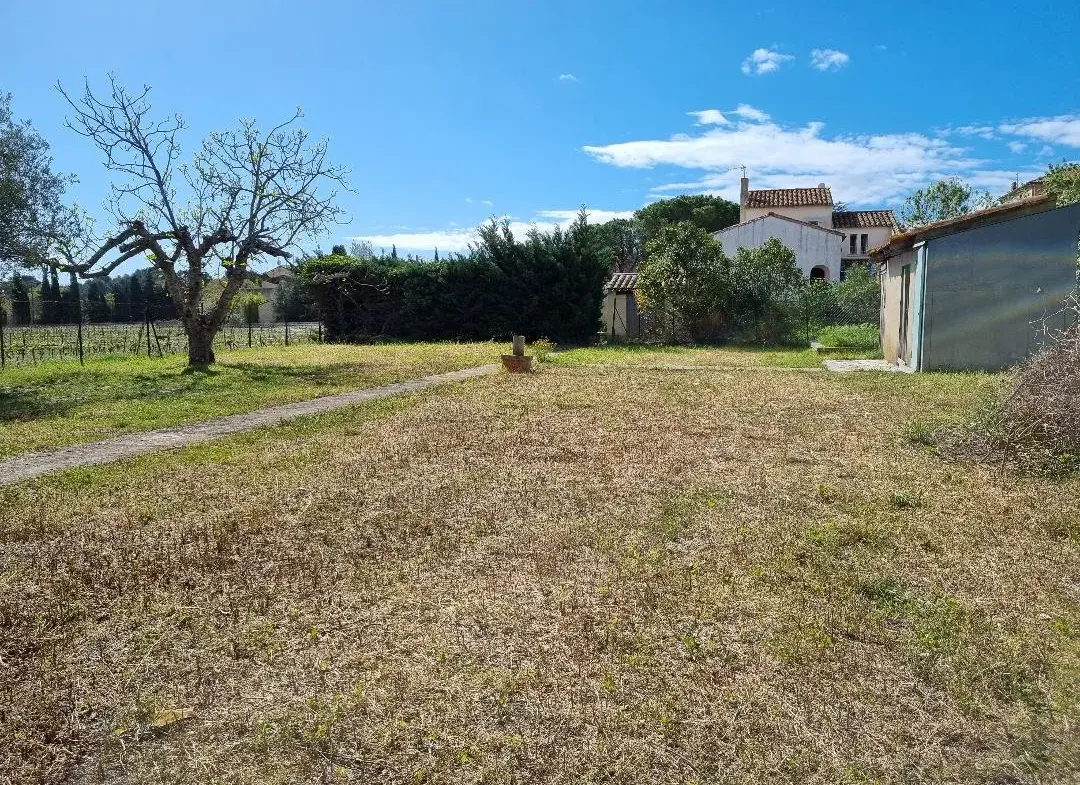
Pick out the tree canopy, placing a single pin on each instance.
(684, 275)
(246, 195)
(710, 213)
(940, 201)
(1063, 182)
(30, 192)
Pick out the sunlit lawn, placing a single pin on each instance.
(591, 574)
(720, 356)
(62, 403)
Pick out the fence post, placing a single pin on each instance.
(248, 309)
(286, 330)
(320, 331)
(146, 317)
(3, 357)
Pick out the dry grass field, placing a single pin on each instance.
(591, 574)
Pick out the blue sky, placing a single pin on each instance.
(449, 112)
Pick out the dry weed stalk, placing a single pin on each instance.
(1036, 424)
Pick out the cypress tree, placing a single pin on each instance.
(20, 301)
(136, 298)
(97, 307)
(57, 312)
(74, 300)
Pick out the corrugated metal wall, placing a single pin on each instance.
(985, 287)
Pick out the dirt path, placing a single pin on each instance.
(25, 467)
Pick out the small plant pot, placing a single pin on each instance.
(517, 363)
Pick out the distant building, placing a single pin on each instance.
(859, 230)
(1019, 192)
(817, 248)
(619, 311)
(971, 293)
(268, 286)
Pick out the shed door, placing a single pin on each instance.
(905, 307)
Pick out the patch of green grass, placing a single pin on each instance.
(719, 356)
(850, 336)
(53, 405)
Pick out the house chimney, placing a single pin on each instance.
(744, 189)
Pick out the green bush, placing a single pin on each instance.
(850, 336)
(764, 294)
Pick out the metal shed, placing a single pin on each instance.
(970, 293)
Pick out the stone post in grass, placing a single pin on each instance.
(518, 362)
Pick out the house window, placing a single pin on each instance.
(862, 243)
(852, 240)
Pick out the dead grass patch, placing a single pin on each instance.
(581, 575)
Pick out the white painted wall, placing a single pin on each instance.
(876, 237)
(821, 213)
(812, 246)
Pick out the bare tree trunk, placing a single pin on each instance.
(200, 343)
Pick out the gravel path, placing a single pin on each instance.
(25, 467)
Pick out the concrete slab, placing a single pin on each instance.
(850, 366)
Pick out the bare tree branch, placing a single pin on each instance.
(246, 195)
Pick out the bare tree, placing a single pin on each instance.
(244, 196)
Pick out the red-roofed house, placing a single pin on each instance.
(819, 256)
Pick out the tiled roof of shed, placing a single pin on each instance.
(622, 282)
(789, 197)
(862, 219)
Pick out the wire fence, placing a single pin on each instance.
(79, 340)
(802, 317)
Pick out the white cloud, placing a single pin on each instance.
(764, 61)
(450, 240)
(748, 112)
(488, 202)
(981, 131)
(861, 169)
(1017, 147)
(1062, 129)
(709, 117)
(880, 47)
(468, 200)
(567, 78)
(564, 217)
(828, 59)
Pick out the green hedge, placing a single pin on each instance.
(551, 285)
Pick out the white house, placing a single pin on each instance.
(858, 230)
(268, 285)
(817, 249)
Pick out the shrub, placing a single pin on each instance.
(1035, 425)
(684, 276)
(764, 292)
(551, 284)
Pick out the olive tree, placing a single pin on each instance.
(245, 196)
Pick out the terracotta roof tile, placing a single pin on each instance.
(862, 219)
(622, 282)
(789, 197)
